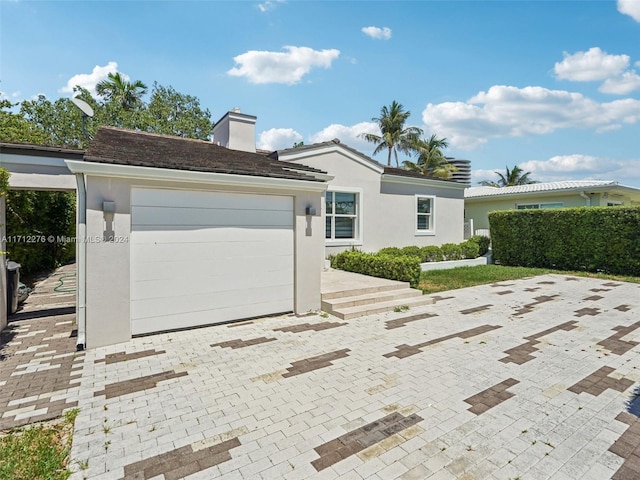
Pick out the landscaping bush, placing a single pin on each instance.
(470, 249)
(393, 251)
(483, 242)
(588, 238)
(402, 268)
(431, 253)
(412, 251)
(451, 251)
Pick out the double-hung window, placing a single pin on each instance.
(425, 215)
(534, 206)
(341, 216)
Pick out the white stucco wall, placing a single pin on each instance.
(388, 210)
(108, 263)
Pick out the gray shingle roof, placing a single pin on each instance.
(128, 147)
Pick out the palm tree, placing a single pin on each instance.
(431, 159)
(116, 88)
(394, 135)
(510, 178)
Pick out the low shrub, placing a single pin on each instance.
(412, 251)
(393, 251)
(431, 253)
(470, 249)
(403, 268)
(451, 251)
(483, 242)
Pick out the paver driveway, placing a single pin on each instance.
(529, 379)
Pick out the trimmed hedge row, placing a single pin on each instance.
(472, 248)
(605, 239)
(402, 268)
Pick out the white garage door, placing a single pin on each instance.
(199, 258)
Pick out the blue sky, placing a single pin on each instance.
(552, 86)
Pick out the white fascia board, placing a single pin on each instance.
(189, 176)
(550, 193)
(422, 181)
(7, 159)
(337, 148)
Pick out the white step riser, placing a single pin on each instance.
(373, 309)
(363, 291)
(336, 304)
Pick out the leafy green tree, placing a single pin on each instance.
(510, 178)
(115, 88)
(395, 136)
(172, 113)
(15, 128)
(431, 159)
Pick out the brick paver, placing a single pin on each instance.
(396, 395)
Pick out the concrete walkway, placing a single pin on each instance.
(531, 379)
(39, 367)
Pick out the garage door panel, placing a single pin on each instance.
(207, 257)
(166, 217)
(200, 199)
(193, 319)
(247, 269)
(205, 282)
(149, 236)
(210, 301)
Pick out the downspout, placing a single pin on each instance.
(81, 254)
(586, 197)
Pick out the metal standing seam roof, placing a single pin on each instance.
(480, 192)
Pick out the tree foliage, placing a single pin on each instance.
(431, 159)
(509, 178)
(395, 136)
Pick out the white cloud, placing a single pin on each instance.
(631, 8)
(592, 65)
(505, 111)
(90, 80)
(572, 167)
(279, 67)
(349, 135)
(278, 138)
(269, 5)
(623, 84)
(377, 33)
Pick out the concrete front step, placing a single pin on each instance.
(348, 313)
(389, 286)
(369, 298)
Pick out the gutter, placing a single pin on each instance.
(586, 197)
(81, 255)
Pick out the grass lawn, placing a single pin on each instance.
(461, 277)
(39, 452)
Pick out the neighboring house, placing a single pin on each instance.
(479, 201)
(183, 232)
(369, 206)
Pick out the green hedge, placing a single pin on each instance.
(403, 268)
(472, 248)
(605, 239)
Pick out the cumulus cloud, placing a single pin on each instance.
(269, 5)
(281, 67)
(592, 65)
(278, 138)
(349, 135)
(631, 8)
(506, 111)
(573, 167)
(90, 80)
(377, 33)
(623, 84)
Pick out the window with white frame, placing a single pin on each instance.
(529, 206)
(341, 216)
(425, 214)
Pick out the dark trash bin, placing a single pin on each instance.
(13, 284)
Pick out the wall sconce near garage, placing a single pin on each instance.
(310, 212)
(109, 210)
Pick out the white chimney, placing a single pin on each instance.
(236, 131)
